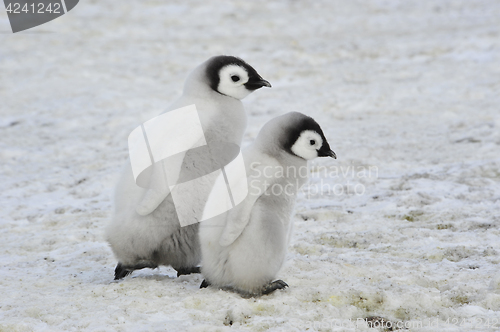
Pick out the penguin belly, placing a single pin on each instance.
(255, 257)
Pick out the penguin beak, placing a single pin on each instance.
(255, 83)
(326, 152)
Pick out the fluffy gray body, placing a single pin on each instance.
(244, 249)
(155, 237)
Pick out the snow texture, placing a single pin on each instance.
(404, 226)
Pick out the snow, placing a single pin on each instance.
(406, 92)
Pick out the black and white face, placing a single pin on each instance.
(303, 137)
(232, 80)
(310, 144)
(233, 77)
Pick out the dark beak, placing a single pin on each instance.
(255, 83)
(326, 153)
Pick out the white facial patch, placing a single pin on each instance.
(231, 81)
(307, 145)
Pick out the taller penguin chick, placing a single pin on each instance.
(145, 230)
(244, 248)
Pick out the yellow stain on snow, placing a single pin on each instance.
(335, 300)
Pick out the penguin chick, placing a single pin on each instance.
(145, 231)
(216, 88)
(244, 248)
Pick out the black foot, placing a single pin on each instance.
(271, 287)
(123, 271)
(187, 270)
(204, 284)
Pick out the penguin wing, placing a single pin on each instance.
(163, 178)
(159, 187)
(238, 217)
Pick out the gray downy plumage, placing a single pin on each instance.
(145, 231)
(244, 248)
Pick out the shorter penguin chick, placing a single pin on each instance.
(244, 248)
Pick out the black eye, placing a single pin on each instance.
(235, 78)
(312, 142)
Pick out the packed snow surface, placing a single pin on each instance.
(403, 228)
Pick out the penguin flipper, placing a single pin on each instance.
(238, 217)
(236, 221)
(151, 200)
(165, 174)
(157, 190)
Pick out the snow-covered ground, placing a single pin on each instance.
(405, 225)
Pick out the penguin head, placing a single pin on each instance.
(305, 139)
(311, 144)
(233, 77)
(298, 135)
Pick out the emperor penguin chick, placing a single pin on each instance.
(244, 248)
(145, 231)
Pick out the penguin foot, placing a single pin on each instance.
(122, 271)
(271, 287)
(204, 284)
(187, 270)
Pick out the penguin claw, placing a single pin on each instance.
(121, 272)
(204, 284)
(271, 287)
